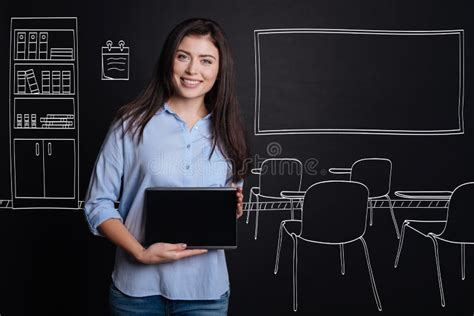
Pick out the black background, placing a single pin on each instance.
(50, 263)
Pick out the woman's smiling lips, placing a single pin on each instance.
(190, 83)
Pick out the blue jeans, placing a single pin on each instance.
(157, 305)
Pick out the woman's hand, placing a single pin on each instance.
(240, 200)
(163, 252)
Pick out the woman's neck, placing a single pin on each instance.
(190, 111)
(188, 108)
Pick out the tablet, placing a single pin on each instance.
(202, 218)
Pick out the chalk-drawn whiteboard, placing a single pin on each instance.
(359, 82)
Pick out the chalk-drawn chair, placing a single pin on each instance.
(275, 175)
(456, 229)
(376, 174)
(334, 213)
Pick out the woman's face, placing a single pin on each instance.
(195, 67)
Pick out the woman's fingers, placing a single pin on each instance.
(240, 199)
(172, 247)
(188, 253)
(166, 252)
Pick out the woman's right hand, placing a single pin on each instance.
(163, 252)
(160, 252)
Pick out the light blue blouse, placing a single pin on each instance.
(170, 155)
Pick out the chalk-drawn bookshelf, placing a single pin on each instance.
(44, 104)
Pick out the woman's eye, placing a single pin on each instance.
(182, 57)
(207, 61)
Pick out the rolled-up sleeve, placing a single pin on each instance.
(105, 182)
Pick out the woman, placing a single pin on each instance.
(178, 132)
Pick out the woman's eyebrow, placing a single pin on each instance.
(204, 55)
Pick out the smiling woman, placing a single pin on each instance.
(195, 68)
(186, 115)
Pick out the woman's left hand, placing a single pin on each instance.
(240, 200)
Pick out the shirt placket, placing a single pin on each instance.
(189, 165)
(187, 156)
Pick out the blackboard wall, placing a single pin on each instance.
(49, 262)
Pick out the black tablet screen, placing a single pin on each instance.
(198, 217)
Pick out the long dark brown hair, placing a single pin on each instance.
(227, 127)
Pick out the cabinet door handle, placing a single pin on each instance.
(37, 147)
(49, 149)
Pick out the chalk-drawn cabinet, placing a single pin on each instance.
(44, 104)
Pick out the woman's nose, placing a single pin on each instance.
(191, 69)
